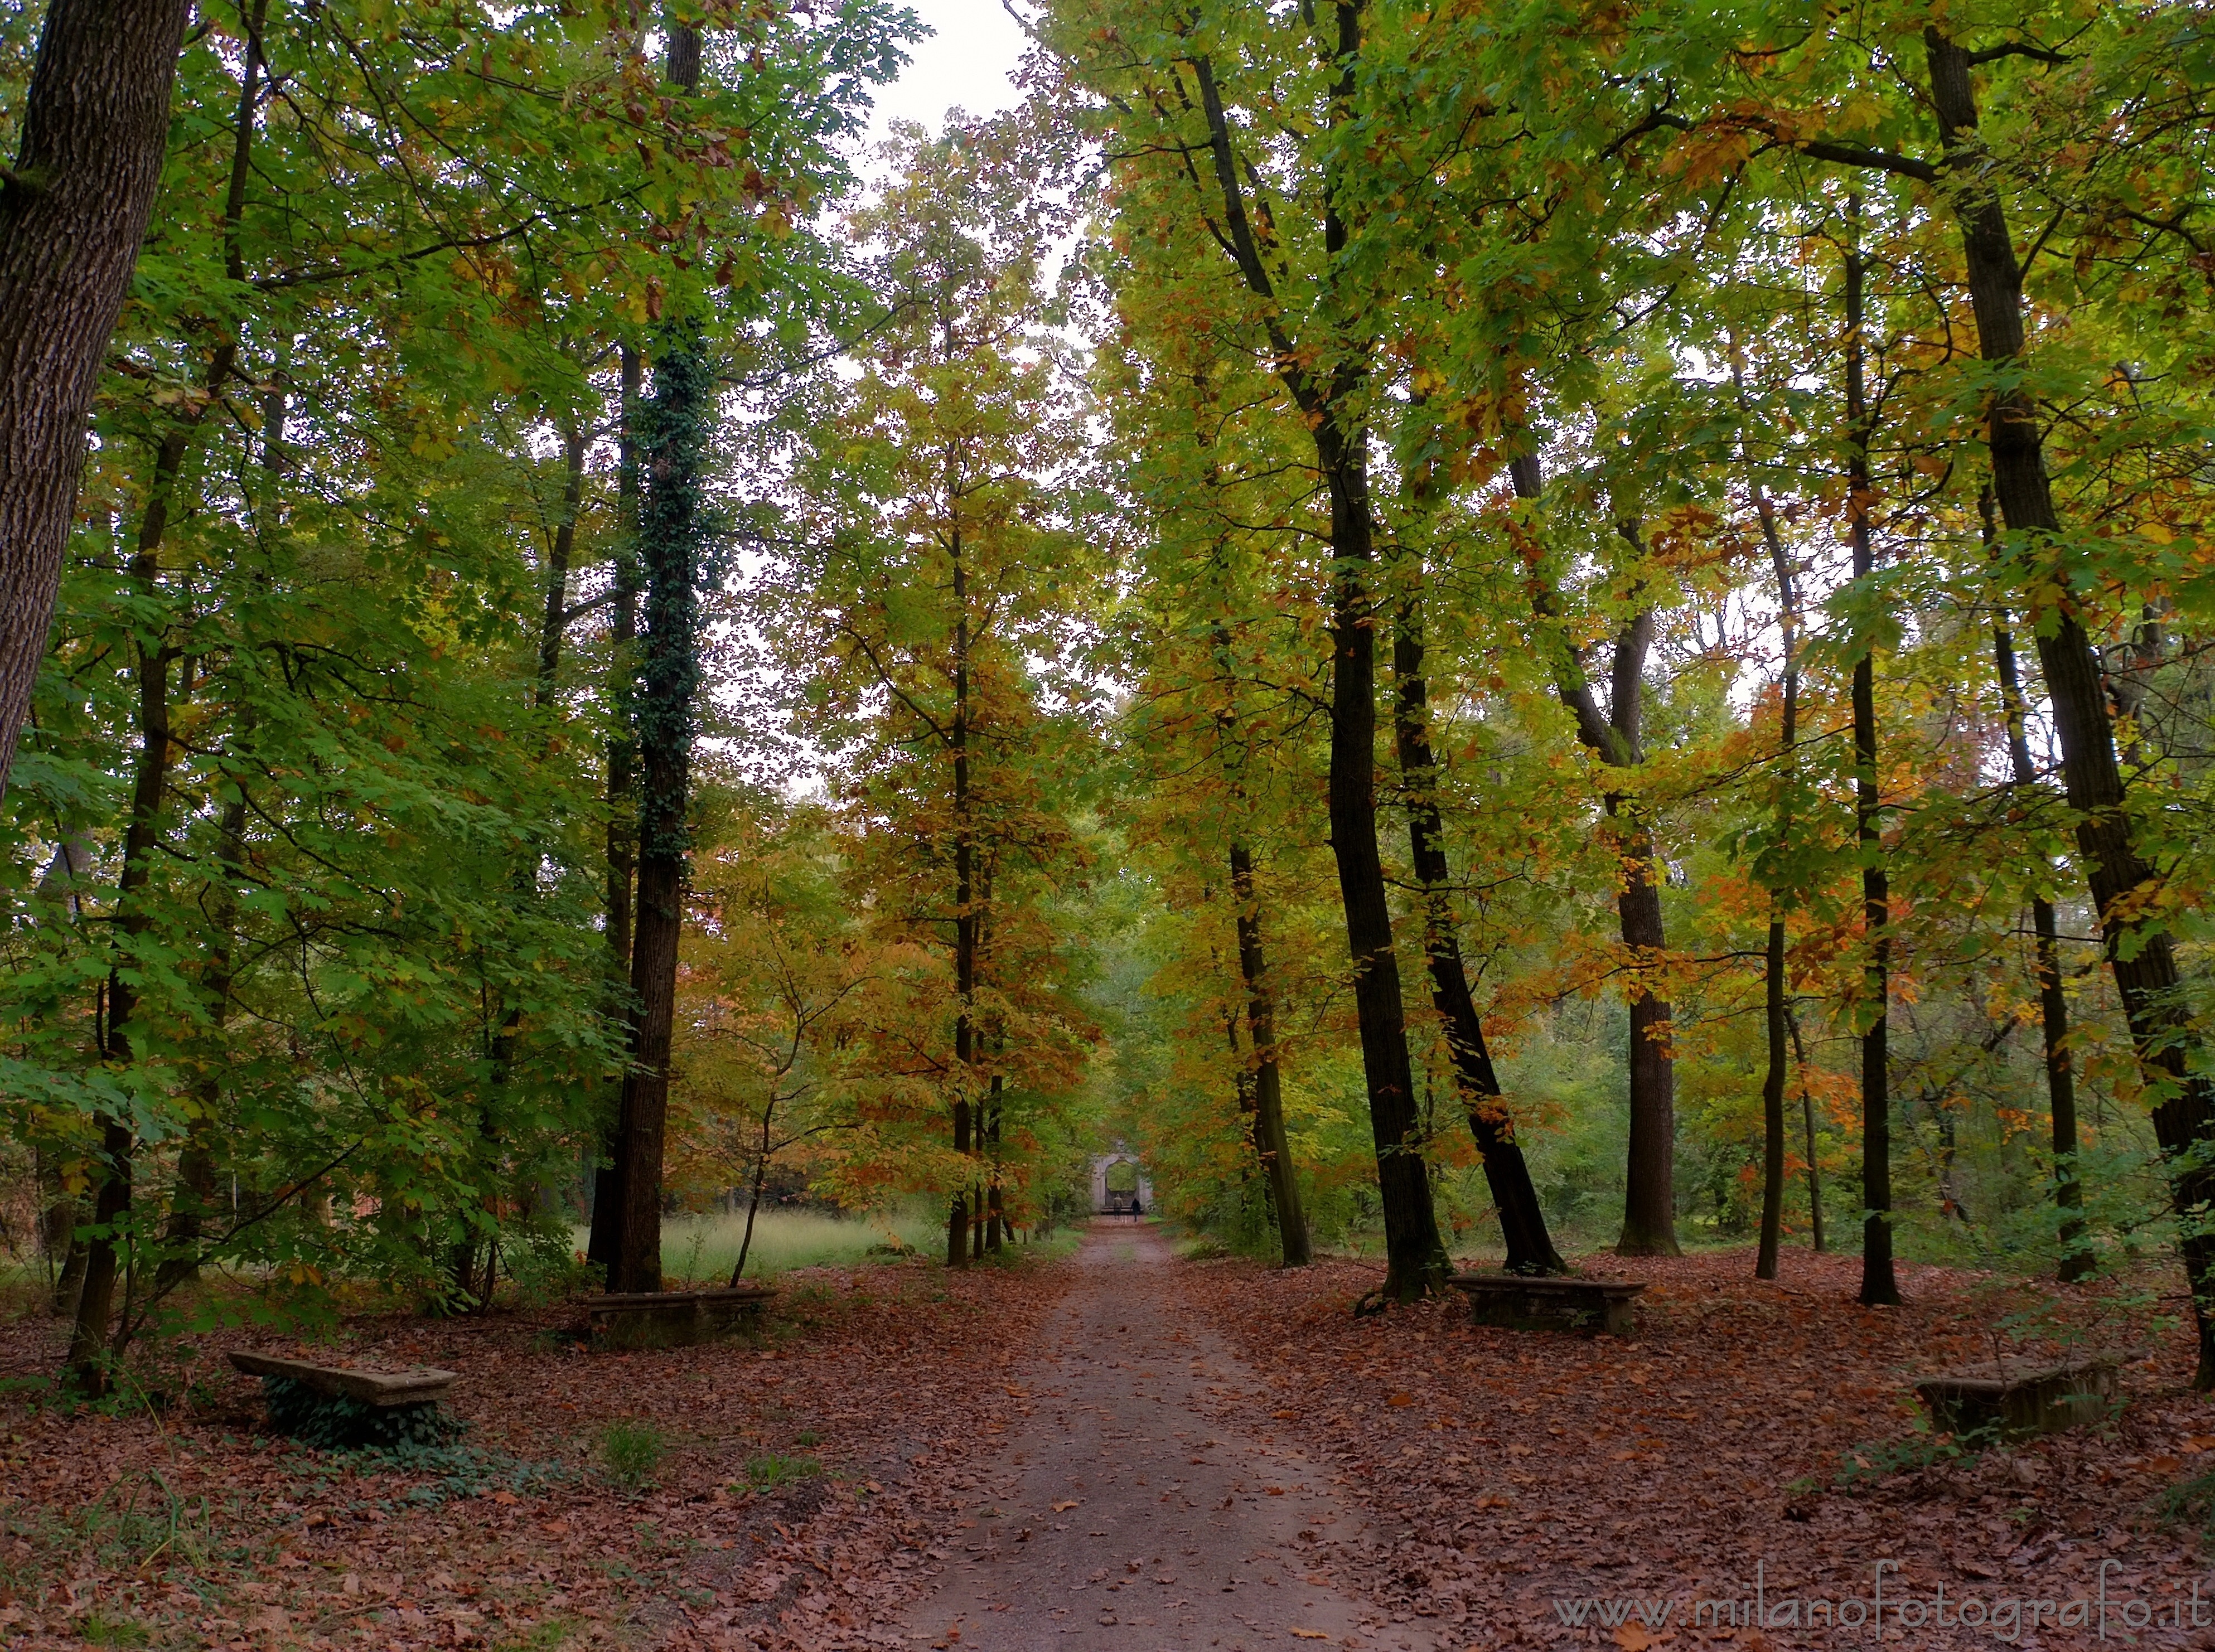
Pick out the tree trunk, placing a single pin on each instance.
(553, 625)
(675, 449)
(87, 1368)
(1242, 1087)
(1650, 1199)
(674, 446)
(69, 1282)
(1522, 1218)
(754, 1197)
(2140, 957)
(1773, 981)
(1815, 1237)
(1880, 1284)
(993, 1207)
(87, 1356)
(1265, 1085)
(622, 815)
(1416, 1258)
(1772, 1105)
(96, 120)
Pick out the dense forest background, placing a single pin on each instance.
(1488, 629)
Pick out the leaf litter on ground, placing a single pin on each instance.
(798, 1494)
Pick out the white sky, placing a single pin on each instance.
(966, 62)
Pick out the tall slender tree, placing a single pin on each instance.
(676, 431)
(1880, 1284)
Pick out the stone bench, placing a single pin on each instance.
(2043, 1400)
(1537, 1302)
(671, 1318)
(419, 1386)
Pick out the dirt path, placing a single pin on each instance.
(1124, 1514)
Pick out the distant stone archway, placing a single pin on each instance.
(1120, 1186)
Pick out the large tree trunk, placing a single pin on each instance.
(1415, 1258)
(1522, 1218)
(72, 213)
(2140, 955)
(1263, 1085)
(1880, 1284)
(675, 447)
(673, 444)
(1649, 1195)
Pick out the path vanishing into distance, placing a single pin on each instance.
(1129, 1511)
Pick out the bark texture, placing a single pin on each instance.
(72, 214)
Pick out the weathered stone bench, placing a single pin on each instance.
(2020, 1404)
(672, 1318)
(340, 1407)
(1520, 1302)
(418, 1385)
